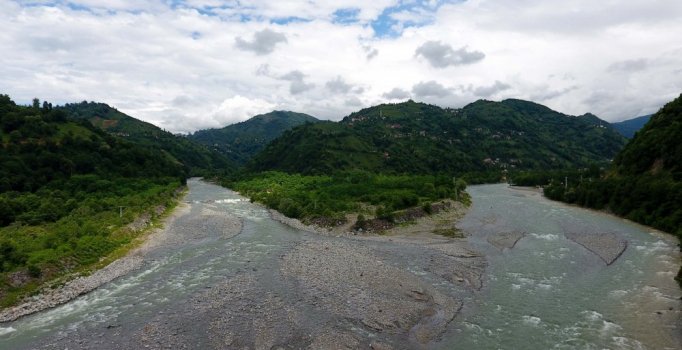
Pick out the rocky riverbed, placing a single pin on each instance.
(52, 296)
(225, 275)
(239, 279)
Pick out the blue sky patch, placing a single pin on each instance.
(387, 26)
(287, 20)
(346, 16)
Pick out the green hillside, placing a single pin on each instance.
(418, 138)
(241, 141)
(629, 127)
(68, 190)
(645, 182)
(198, 159)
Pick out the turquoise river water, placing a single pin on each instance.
(545, 293)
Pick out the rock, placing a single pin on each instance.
(608, 246)
(506, 240)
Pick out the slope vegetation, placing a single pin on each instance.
(419, 138)
(241, 141)
(68, 193)
(645, 182)
(198, 159)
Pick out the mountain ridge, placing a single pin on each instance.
(629, 127)
(198, 159)
(241, 141)
(414, 137)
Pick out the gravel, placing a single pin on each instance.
(173, 234)
(608, 246)
(506, 240)
(53, 297)
(329, 290)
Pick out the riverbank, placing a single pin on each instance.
(371, 283)
(228, 276)
(67, 288)
(440, 223)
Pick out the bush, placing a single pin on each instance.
(34, 271)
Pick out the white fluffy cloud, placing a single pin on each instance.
(441, 55)
(263, 42)
(201, 64)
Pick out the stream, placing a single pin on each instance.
(546, 292)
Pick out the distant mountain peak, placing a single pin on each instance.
(415, 137)
(240, 141)
(629, 127)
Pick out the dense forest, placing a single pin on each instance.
(325, 198)
(197, 159)
(419, 138)
(242, 141)
(645, 182)
(68, 191)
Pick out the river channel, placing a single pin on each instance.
(547, 292)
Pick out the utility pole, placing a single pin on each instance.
(566, 183)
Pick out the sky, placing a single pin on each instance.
(186, 65)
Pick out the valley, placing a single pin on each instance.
(361, 232)
(224, 274)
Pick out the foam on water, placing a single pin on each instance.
(531, 320)
(618, 293)
(592, 315)
(229, 200)
(6, 330)
(545, 236)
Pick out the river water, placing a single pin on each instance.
(545, 293)
(550, 293)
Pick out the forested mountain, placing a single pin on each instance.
(629, 127)
(645, 182)
(198, 159)
(41, 145)
(413, 137)
(67, 190)
(241, 141)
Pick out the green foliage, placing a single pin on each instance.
(645, 182)
(310, 197)
(197, 159)
(61, 185)
(417, 138)
(241, 141)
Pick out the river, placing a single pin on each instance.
(547, 292)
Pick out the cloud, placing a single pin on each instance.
(629, 65)
(396, 94)
(297, 83)
(230, 110)
(371, 52)
(338, 85)
(430, 89)
(353, 102)
(487, 91)
(239, 108)
(548, 94)
(263, 42)
(441, 55)
(187, 60)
